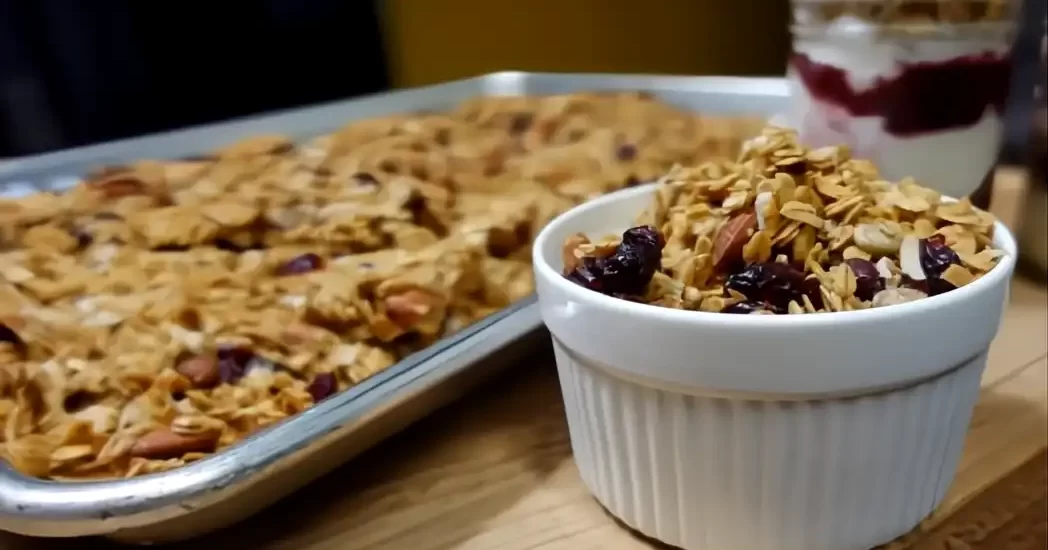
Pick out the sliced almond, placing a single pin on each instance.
(855, 252)
(801, 212)
(758, 249)
(957, 275)
(878, 238)
(571, 260)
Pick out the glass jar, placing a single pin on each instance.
(1033, 223)
(917, 87)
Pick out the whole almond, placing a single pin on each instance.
(118, 185)
(732, 237)
(201, 370)
(162, 444)
(408, 308)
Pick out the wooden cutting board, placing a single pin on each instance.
(494, 471)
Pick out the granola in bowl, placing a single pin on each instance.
(785, 229)
(162, 311)
(762, 401)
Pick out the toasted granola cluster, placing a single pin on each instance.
(787, 229)
(161, 311)
(909, 13)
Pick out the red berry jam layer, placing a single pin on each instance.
(920, 97)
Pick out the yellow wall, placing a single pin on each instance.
(436, 40)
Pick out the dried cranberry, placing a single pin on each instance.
(747, 307)
(868, 281)
(282, 148)
(233, 362)
(443, 137)
(629, 297)
(645, 237)
(322, 386)
(747, 282)
(228, 246)
(587, 274)
(364, 179)
(936, 256)
(811, 288)
(936, 286)
(932, 286)
(171, 248)
(9, 336)
(783, 284)
(520, 123)
(796, 169)
(774, 283)
(632, 181)
(82, 236)
(908, 282)
(77, 401)
(301, 264)
(626, 152)
(628, 270)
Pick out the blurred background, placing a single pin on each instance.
(74, 73)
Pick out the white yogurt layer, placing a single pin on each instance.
(866, 55)
(953, 161)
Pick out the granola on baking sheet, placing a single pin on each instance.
(787, 229)
(163, 310)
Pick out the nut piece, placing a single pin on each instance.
(201, 370)
(162, 444)
(732, 237)
(910, 258)
(878, 238)
(885, 268)
(118, 185)
(408, 308)
(571, 260)
(895, 296)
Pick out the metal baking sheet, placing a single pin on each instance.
(242, 479)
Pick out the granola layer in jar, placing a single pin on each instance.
(917, 86)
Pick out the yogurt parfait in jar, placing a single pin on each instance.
(918, 87)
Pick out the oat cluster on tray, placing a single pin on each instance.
(787, 229)
(161, 311)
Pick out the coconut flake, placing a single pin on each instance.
(884, 267)
(294, 301)
(754, 143)
(910, 258)
(759, 204)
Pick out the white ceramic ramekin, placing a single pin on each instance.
(708, 431)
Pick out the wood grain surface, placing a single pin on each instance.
(494, 472)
